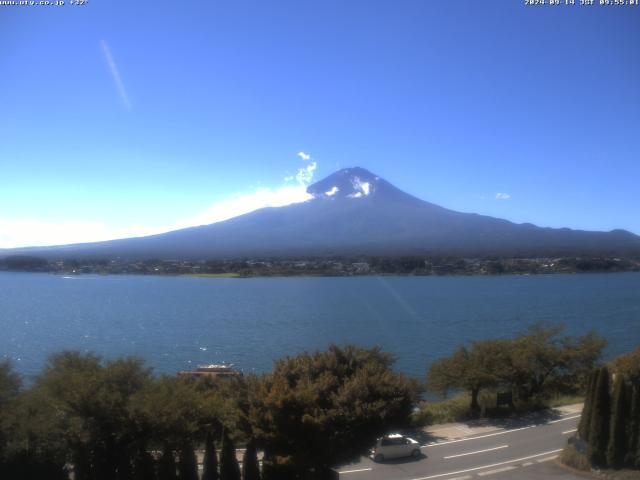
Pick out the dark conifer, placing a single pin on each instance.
(633, 426)
(143, 465)
(268, 470)
(585, 419)
(210, 468)
(250, 466)
(167, 465)
(188, 463)
(617, 434)
(229, 468)
(600, 417)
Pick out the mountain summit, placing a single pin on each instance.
(349, 183)
(355, 212)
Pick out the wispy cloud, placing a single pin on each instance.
(115, 73)
(304, 156)
(502, 196)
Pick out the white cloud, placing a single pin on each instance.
(37, 232)
(240, 204)
(304, 156)
(502, 196)
(305, 175)
(115, 73)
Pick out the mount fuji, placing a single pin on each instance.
(355, 212)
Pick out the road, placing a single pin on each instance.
(524, 451)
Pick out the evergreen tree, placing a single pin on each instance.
(229, 468)
(210, 471)
(268, 470)
(617, 434)
(633, 434)
(585, 419)
(250, 466)
(188, 463)
(600, 416)
(634, 459)
(143, 465)
(167, 465)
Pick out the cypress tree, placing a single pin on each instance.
(250, 466)
(143, 465)
(633, 425)
(167, 465)
(585, 419)
(635, 456)
(617, 434)
(210, 467)
(188, 463)
(229, 468)
(600, 416)
(268, 470)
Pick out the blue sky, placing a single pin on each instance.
(124, 118)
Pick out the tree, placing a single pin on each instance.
(617, 428)
(167, 464)
(628, 365)
(328, 407)
(188, 463)
(143, 464)
(92, 398)
(229, 468)
(634, 428)
(600, 416)
(470, 370)
(585, 418)
(250, 466)
(210, 462)
(34, 446)
(541, 361)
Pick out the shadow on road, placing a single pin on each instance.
(403, 460)
(507, 422)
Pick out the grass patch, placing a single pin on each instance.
(562, 400)
(456, 409)
(213, 275)
(574, 459)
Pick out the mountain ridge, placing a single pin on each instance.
(355, 212)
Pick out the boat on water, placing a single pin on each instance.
(211, 371)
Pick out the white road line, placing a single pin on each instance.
(570, 431)
(489, 466)
(546, 459)
(478, 451)
(502, 432)
(564, 419)
(435, 444)
(497, 470)
(355, 471)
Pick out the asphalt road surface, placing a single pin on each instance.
(525, 450)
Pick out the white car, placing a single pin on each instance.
(395, 446)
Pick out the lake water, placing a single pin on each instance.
(178, 322)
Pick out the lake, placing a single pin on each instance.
(176, 323)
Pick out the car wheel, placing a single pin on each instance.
(415, 453)
(378, 457)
